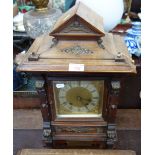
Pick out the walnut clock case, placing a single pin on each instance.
(79, 69)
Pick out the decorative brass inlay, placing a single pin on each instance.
(76, 26)
(77, 50)
(79, 129)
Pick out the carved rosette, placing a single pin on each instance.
(115, 87)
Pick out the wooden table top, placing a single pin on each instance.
(74, 152)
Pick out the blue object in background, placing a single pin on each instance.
(18, 80)
(133, 39)
(69, 4)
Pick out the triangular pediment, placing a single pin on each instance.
(79, 20)
(75, 27)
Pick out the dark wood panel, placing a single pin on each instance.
(131, 87)
(130, 93)
(26, 102)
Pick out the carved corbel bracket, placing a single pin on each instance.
(100, 43)
(54, 42)
(115, 85)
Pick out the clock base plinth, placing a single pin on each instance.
(72, 137)
(62, 144)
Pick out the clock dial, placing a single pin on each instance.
(78, 98)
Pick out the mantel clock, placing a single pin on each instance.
(79, 69)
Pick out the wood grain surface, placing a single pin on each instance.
(74, 152)
(85, 13)
(101, 60)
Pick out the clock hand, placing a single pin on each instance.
(79, 98)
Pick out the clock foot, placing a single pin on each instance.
(111, 136)
(47, 134)
(47, 141)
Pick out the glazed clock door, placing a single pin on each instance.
(78, 98)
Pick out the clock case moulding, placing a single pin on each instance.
(78, 38)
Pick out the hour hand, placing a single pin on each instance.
(86, 99)
(79, 98)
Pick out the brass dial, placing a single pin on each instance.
(78, 97)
